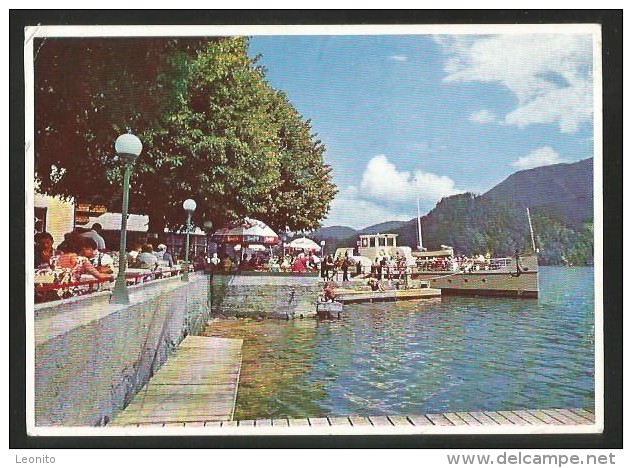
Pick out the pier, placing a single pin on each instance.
(197, 384)
(520, 420)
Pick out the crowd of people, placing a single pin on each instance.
(299, 262)
(457, 263)
(82, 257)
(389, 268)
(83, 252)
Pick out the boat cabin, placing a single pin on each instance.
(377, 245)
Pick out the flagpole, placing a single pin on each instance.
(420, 243)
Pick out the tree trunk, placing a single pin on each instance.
(157, 224)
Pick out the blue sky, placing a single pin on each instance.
(407, 116)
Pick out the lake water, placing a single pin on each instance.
(426, 356)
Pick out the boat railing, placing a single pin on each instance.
(499, 263)
(441, 265)
(466, 265)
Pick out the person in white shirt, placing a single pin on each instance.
(146, 257)
(95, 233)
(163, 256)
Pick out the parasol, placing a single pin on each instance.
(250, 231)
(303, 243)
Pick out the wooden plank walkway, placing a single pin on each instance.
(557, 417)
(197, 385)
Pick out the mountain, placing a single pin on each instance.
(388, 226)
(559, 197)
(564, 190)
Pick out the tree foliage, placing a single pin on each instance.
(212, 128)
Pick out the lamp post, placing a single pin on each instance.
(283, 243)
(127, 147)
(189, 206)
(322, 248)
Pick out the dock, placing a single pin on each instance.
(349, 296)
(197, 384)
(521, 420)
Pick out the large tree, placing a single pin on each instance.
(87, 92)
(213, 130)
(304, 189)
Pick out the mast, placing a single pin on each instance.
(531, 231)
(420, 244)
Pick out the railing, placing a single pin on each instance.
(466, 266)
(57, 290)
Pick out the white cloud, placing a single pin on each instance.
(387, 194)
(350, 209)
(550, 74)
(540, 157)
(483, 116)
(398, 58)
(382, 181)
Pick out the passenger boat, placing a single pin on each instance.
(515, 276)
(511, 276)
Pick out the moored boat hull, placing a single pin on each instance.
(510, 281)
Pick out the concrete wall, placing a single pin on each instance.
(271, 296)
(92, 357)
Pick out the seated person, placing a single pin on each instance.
(132, 256)
(165, 257)
(375, 284)
(329, 291)
(274, 265)
(74, 258)
(101, 261)
(146, 257)
(227, 263)
(300, 264)
(44, 251)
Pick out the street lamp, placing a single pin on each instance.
(322, 248)
(127, 147)
(189, 206)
